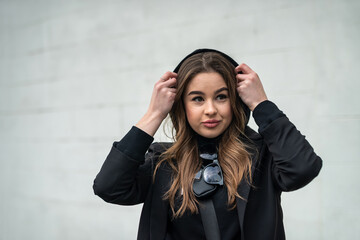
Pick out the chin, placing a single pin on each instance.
(209, 134)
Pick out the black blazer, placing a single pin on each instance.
(283, 160)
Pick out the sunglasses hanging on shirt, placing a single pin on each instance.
(208, 177)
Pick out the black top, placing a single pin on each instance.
(189, 226)
(283, 160)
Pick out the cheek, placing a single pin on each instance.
(193, 115)
(189, 113)
(228, 112)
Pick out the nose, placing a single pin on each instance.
(210, 108)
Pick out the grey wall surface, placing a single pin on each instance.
(76, 75)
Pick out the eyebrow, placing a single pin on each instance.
(201, 93)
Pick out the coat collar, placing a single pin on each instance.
(244, 187)
(159, 207)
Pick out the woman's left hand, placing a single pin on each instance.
(249, 86)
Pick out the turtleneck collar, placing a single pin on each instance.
(207, 145)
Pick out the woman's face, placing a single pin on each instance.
(207, 104)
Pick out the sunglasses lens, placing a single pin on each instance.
(212, 174)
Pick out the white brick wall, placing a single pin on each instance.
(76, 75)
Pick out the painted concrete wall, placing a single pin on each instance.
(76, 75)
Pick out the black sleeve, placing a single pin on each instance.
(135, 143)
(265, 113)
(125, 176)
(295, 163)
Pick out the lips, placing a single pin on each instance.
(211, 123)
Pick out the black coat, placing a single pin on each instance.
(284, 161)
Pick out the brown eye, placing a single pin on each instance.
(221, 97)
(197, 99)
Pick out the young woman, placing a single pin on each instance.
(219, 179)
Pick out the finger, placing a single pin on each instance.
(241, 89)
(168, 75)
(170, 83)
(237, 70)
(241, 77)
(241, 84)
(171, 90)
(245, 69)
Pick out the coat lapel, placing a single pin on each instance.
(159, 209)
(244, 187)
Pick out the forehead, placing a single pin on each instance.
(207, 81)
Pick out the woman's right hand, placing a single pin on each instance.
(163, 95)
(161, 103)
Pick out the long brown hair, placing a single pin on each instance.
(183, 156)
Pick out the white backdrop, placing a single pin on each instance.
(76, 75)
